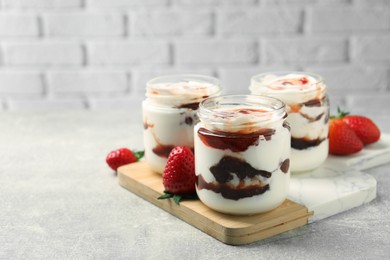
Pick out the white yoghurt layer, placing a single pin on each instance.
(266, 155)
(242, 118)
(166, 128)
(169, 116)
(177, 94)
(308, 121)
(290, 88)
(307, 159)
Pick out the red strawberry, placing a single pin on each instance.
(342, 139)
(120, 157)
(364, 128)
(179, 174)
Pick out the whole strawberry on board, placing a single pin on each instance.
(364, 128)
(122, 156)
(179, 175)
(348, 134)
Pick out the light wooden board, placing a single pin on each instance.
(142, 181)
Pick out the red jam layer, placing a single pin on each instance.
(236, 142)
(163, 150)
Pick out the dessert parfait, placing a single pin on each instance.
(169, 114)
(308, 113)
(242, 152)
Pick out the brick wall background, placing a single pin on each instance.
(98, 54)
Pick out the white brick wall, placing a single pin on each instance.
(15, 25)
(210, 51)
(371, 48)
(98, 54)
(35, 4)
(348, 19)
(251, 22)
(128, 53)
(170, 23)
(21, 83)
(87, 83)
(36, 53)
(83, 24)
(305, 50)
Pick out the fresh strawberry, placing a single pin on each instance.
(363, 127)
(342, 139)
(179, 174)
(121, 157)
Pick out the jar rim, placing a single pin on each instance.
(183, 77)
(208, 108)
(177, 78)
(257, 80)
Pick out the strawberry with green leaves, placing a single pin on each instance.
(179, 175)
(122, 156)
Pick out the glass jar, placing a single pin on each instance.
(169, 114)
(308, 113)
(242, 152)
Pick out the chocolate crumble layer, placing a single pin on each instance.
(304, 143)
(229, 192)
(223, 173)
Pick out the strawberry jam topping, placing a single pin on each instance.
(236, 142)
(304, 80)
(282, 84)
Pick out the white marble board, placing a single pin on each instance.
(339, 185)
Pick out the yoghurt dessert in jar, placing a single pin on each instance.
(308, 113)
(242, 152)
(170, 113)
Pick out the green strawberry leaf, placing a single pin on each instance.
(341, 113)
(165, 196)
(139, 154)
(177, 198)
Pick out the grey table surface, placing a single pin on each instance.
(59, 200)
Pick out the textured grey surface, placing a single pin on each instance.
(59, 200)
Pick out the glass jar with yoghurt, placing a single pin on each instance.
(170, 113)
(308, 113)
(242, 153)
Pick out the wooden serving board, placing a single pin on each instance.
(235, 230)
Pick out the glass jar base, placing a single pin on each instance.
(244, 207)
(309, 159)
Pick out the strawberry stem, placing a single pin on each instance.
(139, 154)
(340, 114)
